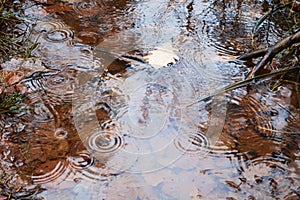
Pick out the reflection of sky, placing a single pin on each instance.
(159, 26)
(155, 22)
(160, 30)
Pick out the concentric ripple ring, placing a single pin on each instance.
(105, 142)
(59, 35)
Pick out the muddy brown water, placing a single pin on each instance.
(115, 114)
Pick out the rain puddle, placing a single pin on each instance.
(115, 86)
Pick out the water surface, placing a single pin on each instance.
(115, 114)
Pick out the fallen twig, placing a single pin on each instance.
(253, 54)
(269, 53)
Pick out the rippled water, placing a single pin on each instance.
(115, 114)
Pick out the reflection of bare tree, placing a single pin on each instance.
(228, 24)
(190, 26)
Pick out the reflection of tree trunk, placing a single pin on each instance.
(190, 9)
(269, 53)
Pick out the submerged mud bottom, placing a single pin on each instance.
(106, 126)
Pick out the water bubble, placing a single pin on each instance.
(60, 133)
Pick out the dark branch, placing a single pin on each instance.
(253, 54)
(269, 53)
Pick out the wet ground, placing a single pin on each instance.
(114, 88)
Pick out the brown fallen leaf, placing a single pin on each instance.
(15, 71)
(9, 82)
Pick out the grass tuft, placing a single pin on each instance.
(12, 103)
(13, 41)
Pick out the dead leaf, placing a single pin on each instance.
(3, 197)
